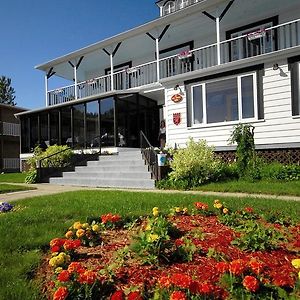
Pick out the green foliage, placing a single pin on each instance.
(59, 160)
(31, 176)
(279, 171)
(256, 237)
(7, 91)
(195, 164)
(243, 135)
(185, 250)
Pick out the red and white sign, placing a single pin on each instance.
(176, 98)
(256, 34)
(176, 118)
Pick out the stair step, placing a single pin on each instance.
(116, 162)
(101, 174)
(109, 168)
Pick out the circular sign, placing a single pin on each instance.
(176, 98)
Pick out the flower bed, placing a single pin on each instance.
(201, 254)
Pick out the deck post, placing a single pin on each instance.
(157, 58)
(75, 82)
(46, 89)
(218, 40)
(111, 56)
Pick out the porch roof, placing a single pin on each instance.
(137, 31)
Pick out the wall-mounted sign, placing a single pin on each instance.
(176, 118)
(256, 34)
(176, 98)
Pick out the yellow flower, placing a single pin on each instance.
(178, 209)
(80, 233)
(85, 225)
(217, 201)
(53, 261)
(96, 228)
(299, 275)
(77, 225)
(148, 227)
(152, 237)
(225, 210)
(218, 205)
(155, 211)
(69, 234)
(185, 210)
(58, 270)
(296, 263)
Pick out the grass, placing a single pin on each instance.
(13, 177)
(8, 188)
(26, 232)
(274, 187)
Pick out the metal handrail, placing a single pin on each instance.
(149, 155)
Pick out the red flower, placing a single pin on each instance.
(237, 267)
(72, 244)
(249, 209)
(222, 267)
(181, 280)
(282, 280)
(118, 295)
(201, 206)
(134, 296)
(75, 267)
(179, 242)
(57, 242)
(61, 293)
(178, 295)
(63, 276)
(256, 266)
(251, 283)
(164, 282)
(88, 277)
(55, 249)
(110, 218)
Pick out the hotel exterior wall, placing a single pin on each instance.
(277, 128)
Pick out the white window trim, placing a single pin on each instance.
(240, 108)
(167, 7)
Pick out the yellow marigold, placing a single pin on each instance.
(53, 261)
(148, 227)
(77, 225)
(177, 209)
(96, 228)
(296, 263)
(69, 234)
(155, 211)
(85, 225)
(58, 270)
(80, 233)
(217, 201)
(225, 210)
(218, 205)
(152, 237)
(185, 210)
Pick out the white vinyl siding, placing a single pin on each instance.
(225, 100)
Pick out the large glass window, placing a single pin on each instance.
(225, 100)
(44, 130)
(78, 125)
(107, 125)
(92, 124)
(34, 130)
(182, 3)
(54, 127)
(66, 133)
(25, 134)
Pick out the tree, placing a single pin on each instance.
(6, 91)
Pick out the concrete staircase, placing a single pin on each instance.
(126, 169)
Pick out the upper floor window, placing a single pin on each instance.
(169, 7)
(227, 99)
(294, 66)
(182, 3)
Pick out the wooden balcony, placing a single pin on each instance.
(272, 39)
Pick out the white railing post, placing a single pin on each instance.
(111, 72)
(75, 82)
(46, 89)
(157, 58)
(218, 40)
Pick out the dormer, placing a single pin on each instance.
(170, 6)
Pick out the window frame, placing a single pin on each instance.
(238, 77)
(294, 68)
(168, 4)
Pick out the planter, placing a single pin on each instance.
(161, 159)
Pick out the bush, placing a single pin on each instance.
(195, 164)
(56, 161)
(31, 176)
(279, 171)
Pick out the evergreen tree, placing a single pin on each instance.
(6, 91)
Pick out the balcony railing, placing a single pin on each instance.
(11, 163)
(10, 129)
(272, 39)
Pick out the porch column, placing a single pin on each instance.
(218, 40)
(46, 89)
(111, 72)
(157, 59)
(75, 82)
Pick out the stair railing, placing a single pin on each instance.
(149, 155)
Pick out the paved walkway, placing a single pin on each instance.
(50, 189)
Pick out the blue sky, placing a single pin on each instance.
(35, 31)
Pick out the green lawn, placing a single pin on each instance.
(258, 187)
(26, 232)
(8, 188)
(13, 177)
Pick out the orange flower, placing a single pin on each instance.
(88, 277)
(222, 267)
(63, 276)
(251, 283)
(118, 295)
(201, 206)
(237, 267)
(256, 266)
(75, 267)
(61, 293)
(164, 282)
(134, 296)
(181, 280)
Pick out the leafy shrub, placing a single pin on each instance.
(279, 171)
(59, 160)
(31, 176)
(195, 164)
